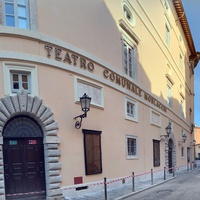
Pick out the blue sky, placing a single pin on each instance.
(192, 8)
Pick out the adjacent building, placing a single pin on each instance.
(197, 142)
(135, 59)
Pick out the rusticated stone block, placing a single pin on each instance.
(41, 110)
(15, 103)
(53, 173)
(50, 146)
(36, 105)
(52, 126)
(29, 104)
(8, 104)
(46, 115)
(4, 110)
(54, 193)
(1, 162)
(53, 166)
(53, 186)
(51, 133)
(55, 179)
(2, 185)
(51, 159)
(51, 140)
(22, 101)
(50, 120)
(3, 117)
(55, 198)
(53, 153)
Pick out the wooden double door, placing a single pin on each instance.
(24, 170)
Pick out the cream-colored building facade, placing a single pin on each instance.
(134, 58)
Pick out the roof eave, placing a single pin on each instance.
(194, 57)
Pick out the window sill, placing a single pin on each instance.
(131, 119)
(132, 158)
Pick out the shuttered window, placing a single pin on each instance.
(129, 59)
(92, 149)
(156, 153)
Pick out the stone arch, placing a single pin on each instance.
(24, 104)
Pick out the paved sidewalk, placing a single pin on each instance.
(119, 192)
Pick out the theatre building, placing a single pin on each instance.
(134, 59)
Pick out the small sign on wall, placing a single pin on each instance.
(13, 142)
(32, 142)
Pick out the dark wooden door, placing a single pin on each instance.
(170, 160)
(24, 167)
(170, 154)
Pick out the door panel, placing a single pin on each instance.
(24, 166)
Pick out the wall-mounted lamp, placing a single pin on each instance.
(168, 130)
(85, 106)
(184, 137)
(192, 128)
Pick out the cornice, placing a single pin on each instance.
(186, 29)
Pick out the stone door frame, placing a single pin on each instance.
(24, 104)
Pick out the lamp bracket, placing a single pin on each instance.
(78, 123)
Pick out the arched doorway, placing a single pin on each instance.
(170, 155)
(32, 107)
(23, 156)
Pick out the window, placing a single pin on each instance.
(18, 76)
(156, 153)
(129, 59)
(128, 13)
(181, 61)
(167, 35)
(92, 89)
(20, 80)
(17, 13)
(167, 8)
(155, 118)
(182, 108)
(131, 109)
(182, 152)
(92, 149)
(131, 147)
(169, 96)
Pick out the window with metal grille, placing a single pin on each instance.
(92, 149)
(131, 145)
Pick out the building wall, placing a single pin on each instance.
(197, 139)
(79, 28)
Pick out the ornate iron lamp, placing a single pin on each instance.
(85, 106)
(184, 137)
(168, 129)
